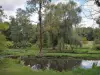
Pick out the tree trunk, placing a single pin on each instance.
(40, 24)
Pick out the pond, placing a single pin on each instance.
(59, 64)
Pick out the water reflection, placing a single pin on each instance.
(59, 64)
(89, 63)
(55, 64)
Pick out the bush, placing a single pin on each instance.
(9, 44)
(84, 40)
(22, 44)
(97, 46)
(97, 41)
(34, 47)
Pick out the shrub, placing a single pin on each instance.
(9, 44)
(97, 41)
(22, 44)
(97, 46)
(84, 40)
(34, 47)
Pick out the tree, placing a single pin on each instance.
(2, 15)
(97, 2)
(97, 33)
(98, 21)
(32, 7)
(59, 23)
(3, 27)
(88, 33)
(3, 41)
(21, 29)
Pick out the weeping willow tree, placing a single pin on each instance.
(59, 21)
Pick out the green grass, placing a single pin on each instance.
(13, 67)
(92, 71)
(87, 51)
(77, 53)
(20, 52)
(72, 55)
(84, 53)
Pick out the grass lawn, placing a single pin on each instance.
(81, 53)
(78, 53)
(72, 55)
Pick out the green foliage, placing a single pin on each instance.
(61, 44)
(59, 25)
(97, 33)
(3, 41)
(46, 40)
(84, 40)
(97, 44)
(22, 44)
(88, 45)
(92, 71)
(34, 47)
(86, 32)
(32, 5)
(3, 26)
(68, 47)
(9, 44)
(22, 32)
(97, 41)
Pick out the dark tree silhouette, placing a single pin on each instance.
(97, 2)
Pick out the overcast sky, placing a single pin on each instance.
(89, 9)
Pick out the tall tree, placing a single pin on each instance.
(21, 29)
(97, 2)
(59, 23)
(37, 5)
(3, 27)
(3, 41)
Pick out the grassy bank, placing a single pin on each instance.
(72, 55)
(76, 53)
(14, 67)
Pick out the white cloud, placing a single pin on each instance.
(34, 18)
(89, 8)
(10, 5)
(90, 13)
(62, 1)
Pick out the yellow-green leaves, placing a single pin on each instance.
(3, 41)
(3, 26)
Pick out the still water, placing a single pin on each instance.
(59, 64)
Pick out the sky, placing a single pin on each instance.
(89, 10)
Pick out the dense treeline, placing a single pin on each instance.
(58, 28)
(89, 33)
